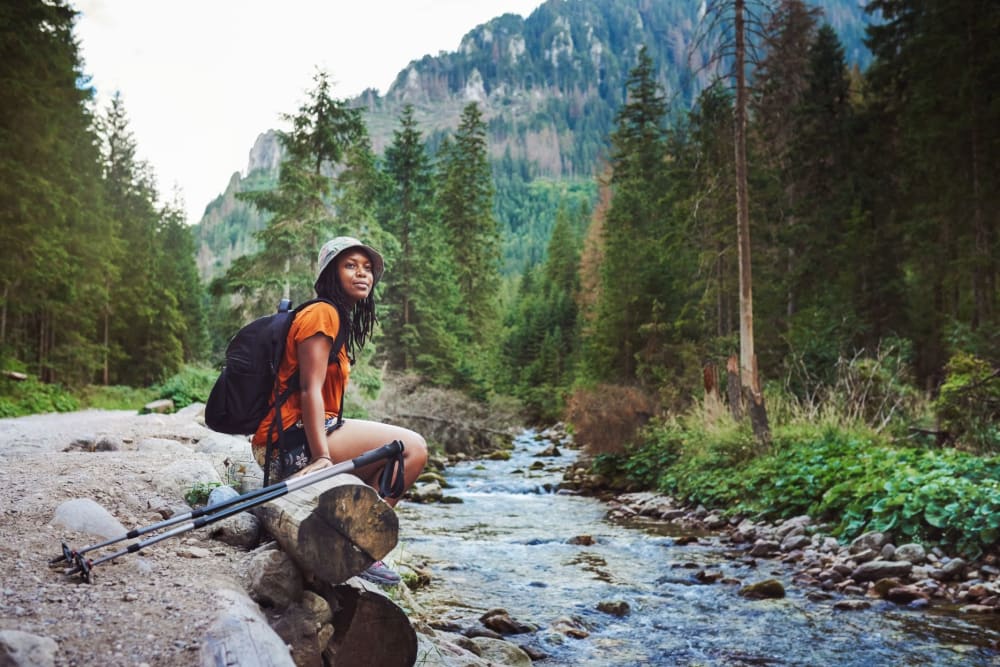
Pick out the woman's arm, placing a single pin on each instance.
(314, 355)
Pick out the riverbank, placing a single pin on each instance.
(871, 567)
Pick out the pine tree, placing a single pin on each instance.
(935, 76)
(146, 325)
(323, 131)
(465, 198)
(55, 239)
(421, 299)
(631, 271)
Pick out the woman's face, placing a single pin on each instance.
(354, 270)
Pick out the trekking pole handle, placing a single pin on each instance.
(394, 448)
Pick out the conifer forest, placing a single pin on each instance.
(872, 195)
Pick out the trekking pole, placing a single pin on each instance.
(390, 486)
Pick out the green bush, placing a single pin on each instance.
(29, 397)
(968, 405)
(191, 385)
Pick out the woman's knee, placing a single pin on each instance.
(415, 448)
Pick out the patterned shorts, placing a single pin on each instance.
(292, 454)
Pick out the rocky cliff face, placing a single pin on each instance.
(265, 154)
(226, 230)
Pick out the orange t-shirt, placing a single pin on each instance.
(319, 318)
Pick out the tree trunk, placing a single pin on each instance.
(748, 360)
(333, 529)
(369, 629)
(733, 394)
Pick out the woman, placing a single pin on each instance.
(348, 272)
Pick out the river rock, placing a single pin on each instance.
(161, 406)
(618, 608)
(86, 516)
(912, 552)
(570, 627)
(425, 493)
(794, 542)
(769, 588)
(794, 526)
(500, 652)
(881, 569)
(905, 595)
(950, 571)
(874, 541)
(499, 620)
(234, 447)
(764, 548)
(23, 649)
(307, 627)
(852, 605)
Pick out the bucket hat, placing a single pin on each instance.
(334, 247)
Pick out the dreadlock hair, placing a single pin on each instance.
(360, 319)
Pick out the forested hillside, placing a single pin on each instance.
(549, 86)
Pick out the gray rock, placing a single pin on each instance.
(23, 649)
(866, 555)
(913, 552)
(272, 578)
(233, 446)
(426, 493)
(500, 652)
(794, 526)
(874, 541)
(86, 516)
(240, 530)
(221, 494)
(162, 445)
(241, 635)
(795, 541)
(888, 552)
(952, 570)
(177, 478)
(881, 569)
(764, 548)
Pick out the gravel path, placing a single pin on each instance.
(150, 608)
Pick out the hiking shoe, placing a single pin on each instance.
(379, 573)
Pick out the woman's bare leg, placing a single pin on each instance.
(357, 436)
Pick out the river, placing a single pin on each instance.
(513, 543)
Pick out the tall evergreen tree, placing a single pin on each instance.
(146, 325)
(936, 72)
(632, 277)
(55, 238)
(421, 298)
(465, 198)
(323, 131)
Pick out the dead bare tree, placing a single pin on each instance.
(730, 21)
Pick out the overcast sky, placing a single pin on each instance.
(201, 79)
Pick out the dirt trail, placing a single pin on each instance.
(150, 608)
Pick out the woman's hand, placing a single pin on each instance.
(314, 465)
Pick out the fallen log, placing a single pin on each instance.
(369, 628)
(333, 529)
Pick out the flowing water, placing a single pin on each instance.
(515, 544)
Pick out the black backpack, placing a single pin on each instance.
(248, 383)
